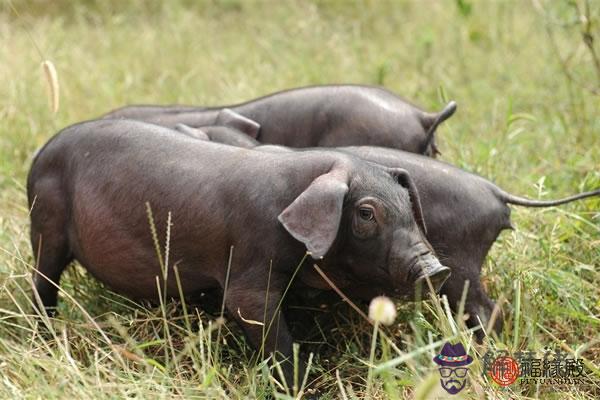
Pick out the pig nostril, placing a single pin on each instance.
(437, 279)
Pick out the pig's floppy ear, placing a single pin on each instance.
(230, 118)
(314, 217)
(404, 179)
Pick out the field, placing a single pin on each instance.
(525, 75)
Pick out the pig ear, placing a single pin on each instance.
(196, 133)
(314, 217)
(404, 179)
(230, 118)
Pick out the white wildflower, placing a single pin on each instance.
(382, 310)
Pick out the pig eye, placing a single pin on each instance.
(366, 213)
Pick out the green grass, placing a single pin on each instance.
(528, 119)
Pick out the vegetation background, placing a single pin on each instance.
(526, 76)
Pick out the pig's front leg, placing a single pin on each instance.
(264, 325)
(478, 304)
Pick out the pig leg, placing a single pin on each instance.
(247, 305)
(51, 262)
(478, 305)
(50, 246)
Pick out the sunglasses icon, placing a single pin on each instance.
(459, 372)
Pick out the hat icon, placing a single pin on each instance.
(453, 355)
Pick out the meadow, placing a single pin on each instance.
(525, 75)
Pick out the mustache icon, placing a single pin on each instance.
(453, 382)
(453, 386)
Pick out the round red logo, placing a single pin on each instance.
(504, 371)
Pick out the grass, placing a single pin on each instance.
(528, 95)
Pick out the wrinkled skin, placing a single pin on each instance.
(317, 116)
(89, 185)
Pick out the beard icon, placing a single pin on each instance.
(452, 385)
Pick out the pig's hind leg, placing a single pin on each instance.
(49, 242)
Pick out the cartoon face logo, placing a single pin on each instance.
(453, 360)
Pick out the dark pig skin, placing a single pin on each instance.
(89, 185)
(315, 116)
(219, 134)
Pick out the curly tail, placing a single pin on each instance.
(434, 120)
(522, 201)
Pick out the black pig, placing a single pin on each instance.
(88, 186)
(464, 214)
(316, 116)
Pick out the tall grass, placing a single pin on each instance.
(527, 88)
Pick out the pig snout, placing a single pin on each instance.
(430, 268)
(420, 266)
